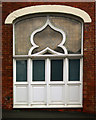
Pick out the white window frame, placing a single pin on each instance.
(28, 85)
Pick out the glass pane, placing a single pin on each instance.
(42, 41)
(72, 26)
(56, 70)
(38, 70)
(21, 70)
(74, 70)
(78, 52)
(22, 35)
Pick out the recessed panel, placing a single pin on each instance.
(38, 94)
(21, 94)
(73, 94)
(56, 93)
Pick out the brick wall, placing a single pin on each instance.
(89, 60)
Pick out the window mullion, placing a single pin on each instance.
(81, 80)
(66, 78)
(14, 81)
(47, 77)
(29, 78)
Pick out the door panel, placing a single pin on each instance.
(21, 94)
(38, 94)
(57, 94)
(73, 94)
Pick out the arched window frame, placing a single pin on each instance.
(65, 57)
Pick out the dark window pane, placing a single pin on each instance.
(38, 70)
(74, 70)
(21, 70)
(56, 70)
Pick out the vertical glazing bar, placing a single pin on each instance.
(81, 68)
(14, 81)
(14, 68)
(66, 73)
(47, 74)
(29, 72)
(64, 79)
(81, 80)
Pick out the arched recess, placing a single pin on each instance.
(47, 8)
(65, 86)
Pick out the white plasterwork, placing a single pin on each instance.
(61, 45)
(49, 50)
(48, 8)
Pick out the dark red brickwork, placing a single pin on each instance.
(89, 59)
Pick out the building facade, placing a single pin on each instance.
(48, 56)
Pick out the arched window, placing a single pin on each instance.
(48, 57)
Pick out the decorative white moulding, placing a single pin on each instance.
(47, 8)
(61, 45)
